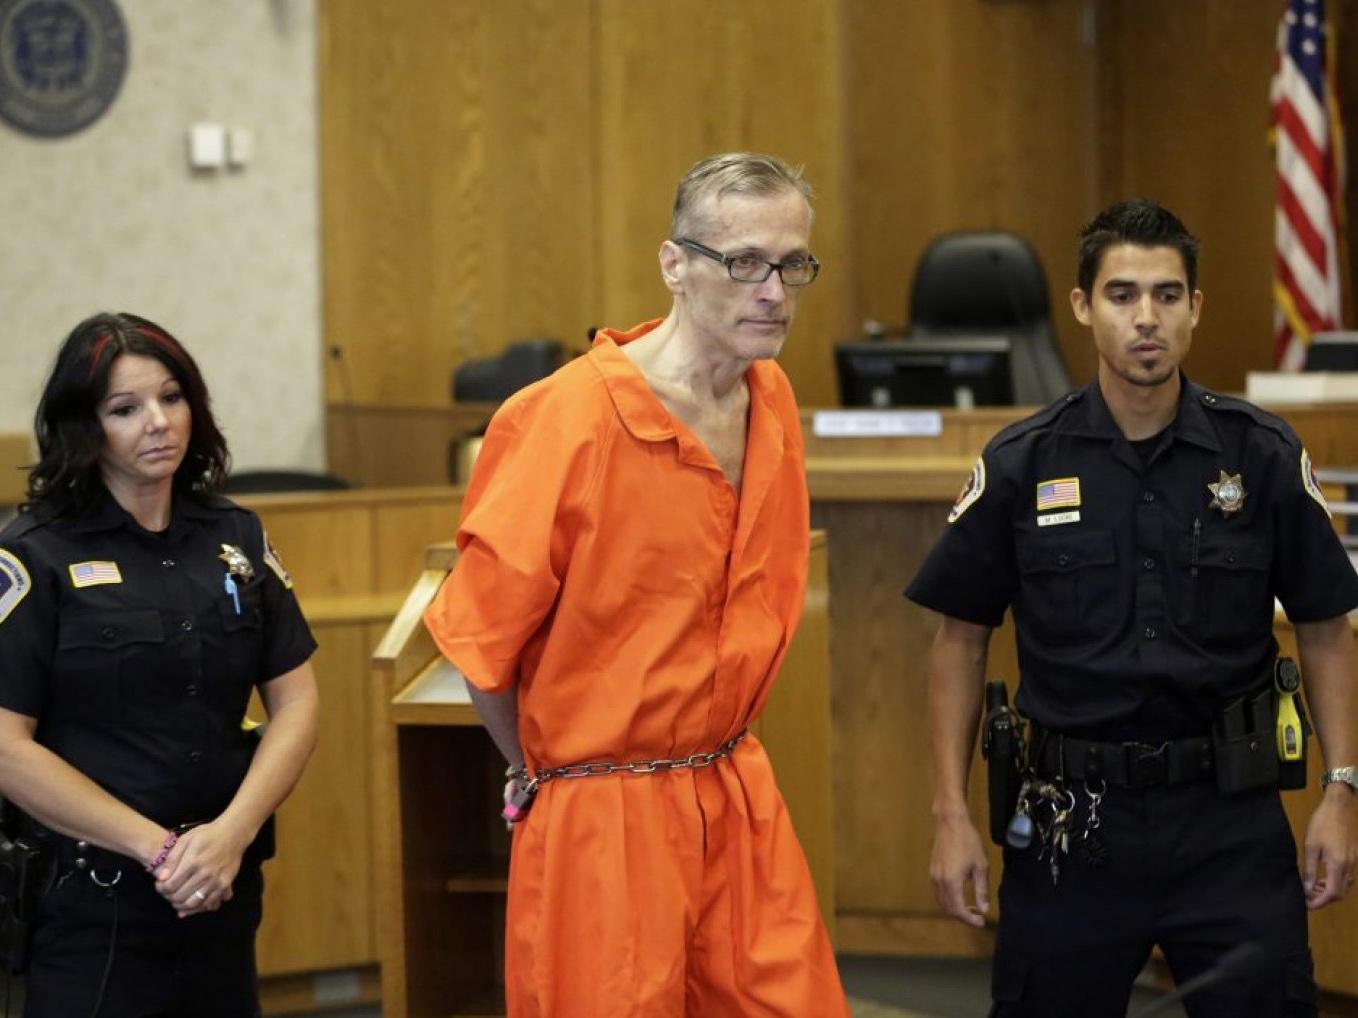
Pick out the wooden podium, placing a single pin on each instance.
(441, 850)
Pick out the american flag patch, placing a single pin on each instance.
(1058, 494)
(91, 574)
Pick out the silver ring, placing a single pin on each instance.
(200, 894)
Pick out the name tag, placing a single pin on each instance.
(1055, 519)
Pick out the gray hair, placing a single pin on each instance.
(731, 173)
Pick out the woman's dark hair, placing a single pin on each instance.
(66, 479)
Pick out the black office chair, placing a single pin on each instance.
(992, 284)
(258, 482)
(491, 379)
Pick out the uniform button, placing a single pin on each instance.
(108, 633)
(186, 625)
(1150, 633)
(191, 689)
(1148, 496)
(1230, 557)
(1062, 559)
(1148, 563)
(168, 563)
(195, 756)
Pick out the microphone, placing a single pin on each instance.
(1243, 960)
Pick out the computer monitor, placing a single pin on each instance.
(956, 371)
(1332, 351)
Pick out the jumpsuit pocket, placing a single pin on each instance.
(1069, 584)
(1227, 597)
(94, 652)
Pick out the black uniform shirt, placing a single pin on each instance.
(128, 650)
(1139, 608)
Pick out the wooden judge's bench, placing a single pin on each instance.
(372, 864)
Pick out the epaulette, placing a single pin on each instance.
(22, 524)
(1233, 404)
(1047, 415)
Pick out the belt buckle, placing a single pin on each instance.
(1147, 764)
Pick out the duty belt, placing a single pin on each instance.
(694, 761)
(1130, 764)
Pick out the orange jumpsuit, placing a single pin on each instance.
(610, 570)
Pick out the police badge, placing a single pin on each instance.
(1228, 493)
(237, 564)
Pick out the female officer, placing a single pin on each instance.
(137, 612)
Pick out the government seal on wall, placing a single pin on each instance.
(61, 63)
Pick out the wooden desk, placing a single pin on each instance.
(441, 850)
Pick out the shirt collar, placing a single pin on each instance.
(107, 514)
(641, 412)
(1092, 418)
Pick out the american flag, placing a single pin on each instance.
(1054, 494)
(87, 574)
(1308, 148)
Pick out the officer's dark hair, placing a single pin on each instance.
(1139, 222)
(66, 479)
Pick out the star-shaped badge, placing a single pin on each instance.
(1228, 494)
(238, 565)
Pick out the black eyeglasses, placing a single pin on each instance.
(747, 268)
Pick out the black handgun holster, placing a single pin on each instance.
(27, 865)
(1244, 741)
(1001, 746)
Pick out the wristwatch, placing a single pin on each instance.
(1343, 775)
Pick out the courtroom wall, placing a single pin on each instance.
(112, 218)
(500, 171)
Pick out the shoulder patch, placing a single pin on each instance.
(1040, 419)
(1312, 486)
(272, 560)
(14, 583)
(971, 491)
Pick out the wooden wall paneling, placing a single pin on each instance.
(401, 533)
(882, 765)
(796, 730)
(318, 914)
(1334, 930)
(967, 116)
(1192, 134)
(16, 455)
(457, 186)
(677, 83)
(1344, 15)
(325, 550)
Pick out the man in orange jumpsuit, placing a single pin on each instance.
(633, 563)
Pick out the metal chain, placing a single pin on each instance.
(694, 761)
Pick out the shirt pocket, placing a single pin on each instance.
(1069, 584)
(95, 653)
(1223, 587)
(242, 644)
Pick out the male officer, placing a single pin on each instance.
(1139, 530)
(633, 564)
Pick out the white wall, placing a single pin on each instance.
(113, 219)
